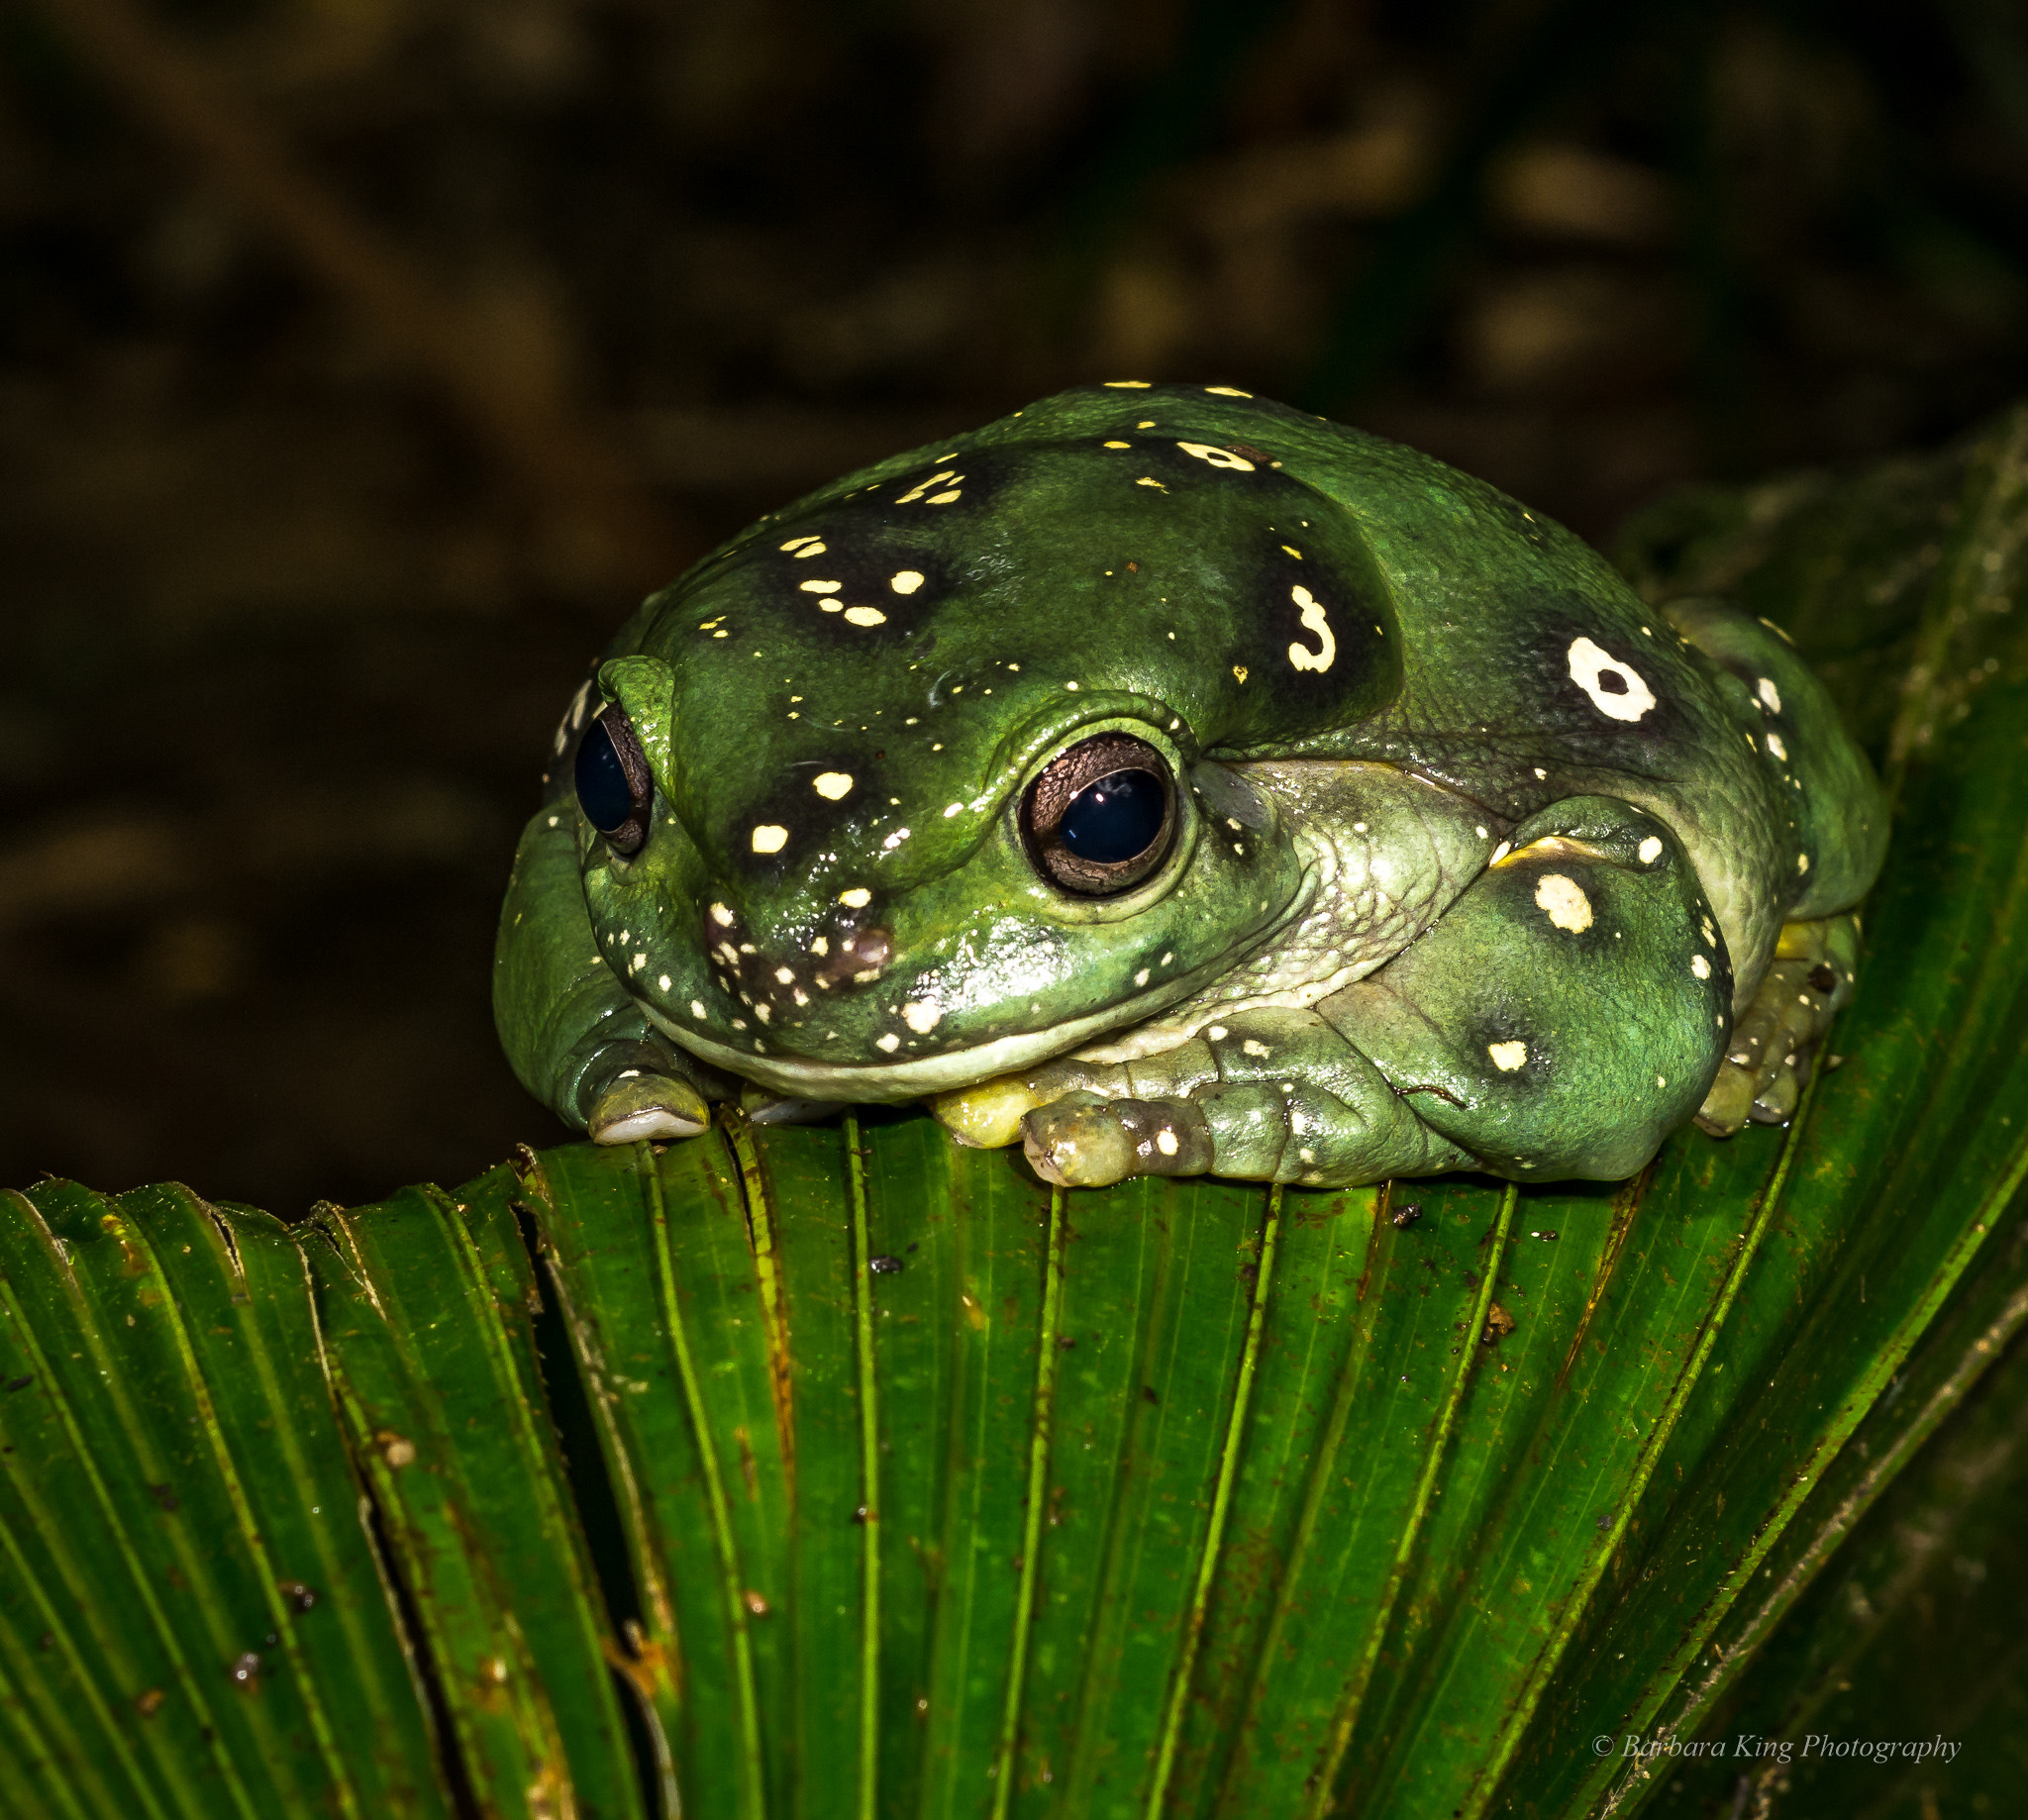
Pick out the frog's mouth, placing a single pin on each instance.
(797, 1077)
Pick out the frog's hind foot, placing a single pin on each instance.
(1773, 1041)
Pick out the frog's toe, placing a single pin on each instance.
(989, 1115)
(640, 1105)
(1767, 1061)
(1086, 1141)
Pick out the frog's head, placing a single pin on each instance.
(925, 778)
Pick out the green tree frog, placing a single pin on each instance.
(1175, 782)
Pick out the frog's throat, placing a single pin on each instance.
(862, 1081)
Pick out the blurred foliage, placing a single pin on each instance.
(360, 361)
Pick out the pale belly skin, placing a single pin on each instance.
(1432, 956)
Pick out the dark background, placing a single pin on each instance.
(361, 362)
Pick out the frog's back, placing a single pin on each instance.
(1293, 589)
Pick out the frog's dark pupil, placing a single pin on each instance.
(1611, 683)
(1117, 818)
(602, 788)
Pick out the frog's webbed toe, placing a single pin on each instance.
(1767, 1061)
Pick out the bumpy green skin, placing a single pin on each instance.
(1480, 854)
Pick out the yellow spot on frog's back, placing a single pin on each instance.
(1507, 1056)
(944, 499)
(1149, 480)
(1650, 850)
(1119, 445)
(814, 548)
(1227, 391)
(864, 616)
(1565, 901)
(770, 837)
(1701, 967)
(906, 581)
(796, 542)
(1239, 672)
(1218, 457)
(831, 784)
(922, 1016)
(1166, 1142)
(721, 916)
(858, 898)
(1128, 385)
(820, 587)
(1293, 551)
(889, 1043)
(1770, 696)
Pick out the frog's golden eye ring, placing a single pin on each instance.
(1102, 816)
(615, 787)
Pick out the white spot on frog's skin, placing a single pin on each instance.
(864, 616)
(1591, 665)
(1802, 863)
(1701, 967)
(1217, 1033)
(1313, 620)
(1072, 687)
(1776, 746)
(894, 840)
(1540, 772)
(1253, 1045)
(784, 978)
(1166, 1142)
(1770, 696)
(889, 1043)
(905, 581)
(951, 809)
(1141, 978)
(663, 984)
(1218, 457)
(1565, 901)
(1501, 852)
(1661, 1081)
(820, 587)
(1710, 934)
(1650, 850)
(698, 1007)
(831, 785)
(858, 898)
(922, 1016)
(768, 838)
(1507, 1056)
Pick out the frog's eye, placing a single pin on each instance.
(615, 787)
(1100, 817)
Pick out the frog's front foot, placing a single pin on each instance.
(642, 1105)
(1767, 1061)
